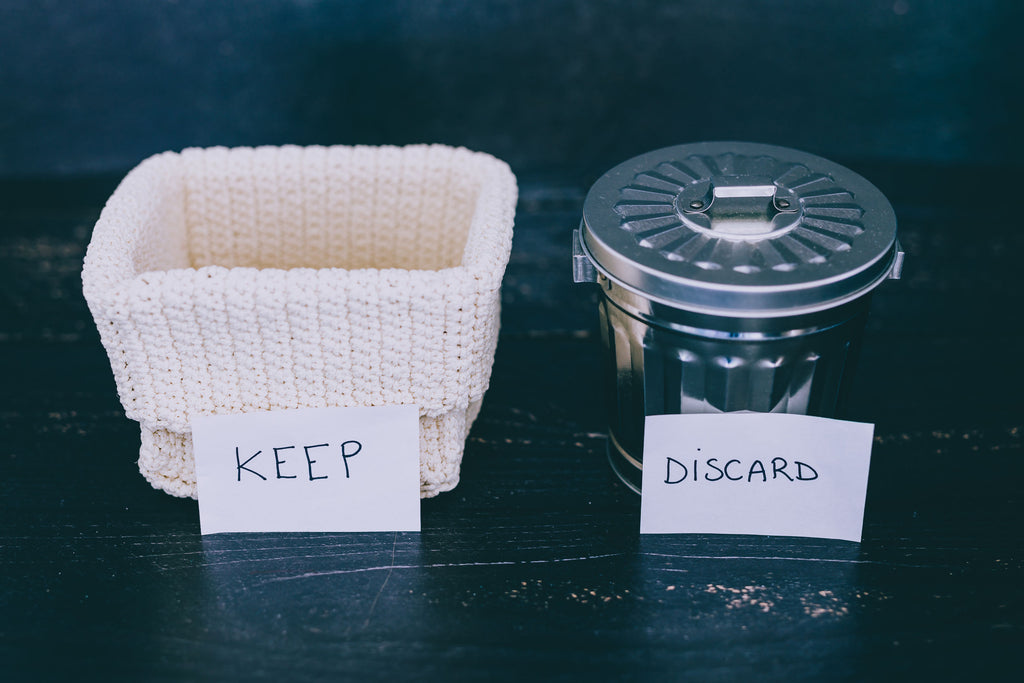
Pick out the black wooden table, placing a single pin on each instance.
(533, 566)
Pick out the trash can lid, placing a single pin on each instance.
(740, 229)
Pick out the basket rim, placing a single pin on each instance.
(484, 258)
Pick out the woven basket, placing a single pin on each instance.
(241, 280)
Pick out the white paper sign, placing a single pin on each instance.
(313, 469)
(755, 473)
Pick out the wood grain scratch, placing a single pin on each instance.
(442, 565)
(383, 585)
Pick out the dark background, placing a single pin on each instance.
(562, 88)
(532, 567)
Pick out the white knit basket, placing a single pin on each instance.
(240, 280)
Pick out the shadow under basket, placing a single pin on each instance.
(243, 280)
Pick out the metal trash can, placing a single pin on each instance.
(735, 276)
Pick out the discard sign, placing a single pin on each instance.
(312, 469)
(755, 473)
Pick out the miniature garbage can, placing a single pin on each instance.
(239, 280)
(734, 276)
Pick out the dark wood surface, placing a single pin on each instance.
(533, 566)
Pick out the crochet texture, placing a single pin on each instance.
(239, 280)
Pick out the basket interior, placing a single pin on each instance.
(329, 207)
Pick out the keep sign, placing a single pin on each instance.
(312, 469)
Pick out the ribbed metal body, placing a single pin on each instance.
(663, 361)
